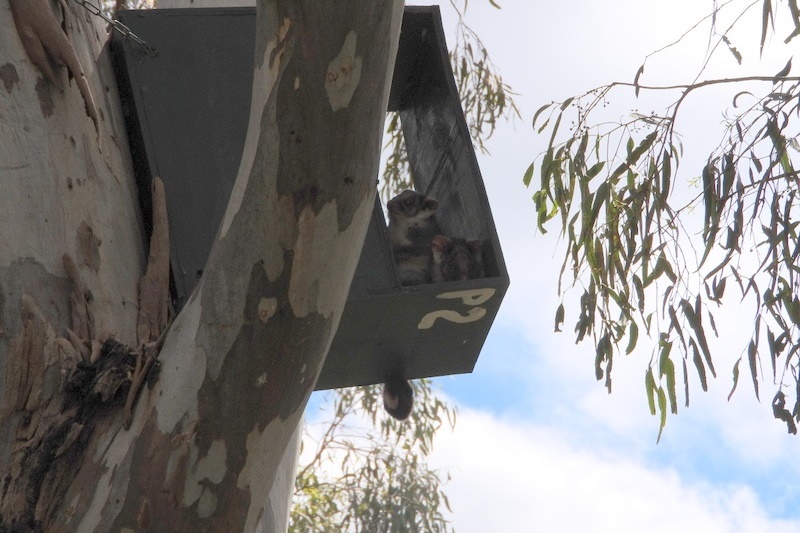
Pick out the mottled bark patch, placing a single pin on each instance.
(343, 75)
(163, 499)
(45, 97)
(9, 76)
(45, 41)
(88, 246)
(281, 368)
(268, 373)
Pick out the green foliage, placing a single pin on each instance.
(632, 252)
(368, 471)
(396, 172)
(485, 97)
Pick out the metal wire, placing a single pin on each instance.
(119, 27)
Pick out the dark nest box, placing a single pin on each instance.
(187, 111)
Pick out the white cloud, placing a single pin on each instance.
(512, 476)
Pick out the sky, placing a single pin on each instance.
(540, 445)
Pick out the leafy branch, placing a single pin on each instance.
(485, 98)
(632, 251)
(372, 475)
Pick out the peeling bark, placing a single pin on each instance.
(154, 286)
(54, 430)
(44, 41)
(152, 324)
(25, 372)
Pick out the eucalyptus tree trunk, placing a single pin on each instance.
(80, 322)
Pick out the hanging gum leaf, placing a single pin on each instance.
(736, 97)
(710, 205)
(559, 321)
(675, 323)
(526, 179)
(783, 72)
(555, 129)
(633, 155)
(667, 369)
(698, 364)
(633, 336)
(539, 112)
(666, 177)
(694, 322)
(639, 289)
(600, 198)
(636, 80)
(713, 324)
(662, 408)
(735, 378)
(602, 355)
(728, 175)
(766, 16)
(719, 289)
(685, 382)
(595, 169)
(650, 388)
(773, 351)
(796, 20)
(752, 353)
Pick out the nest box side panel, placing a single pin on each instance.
(191, 101)
(405, 78)
(374, 273)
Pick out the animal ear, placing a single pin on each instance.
(394, 203)
(430, 204)
(440, 243)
